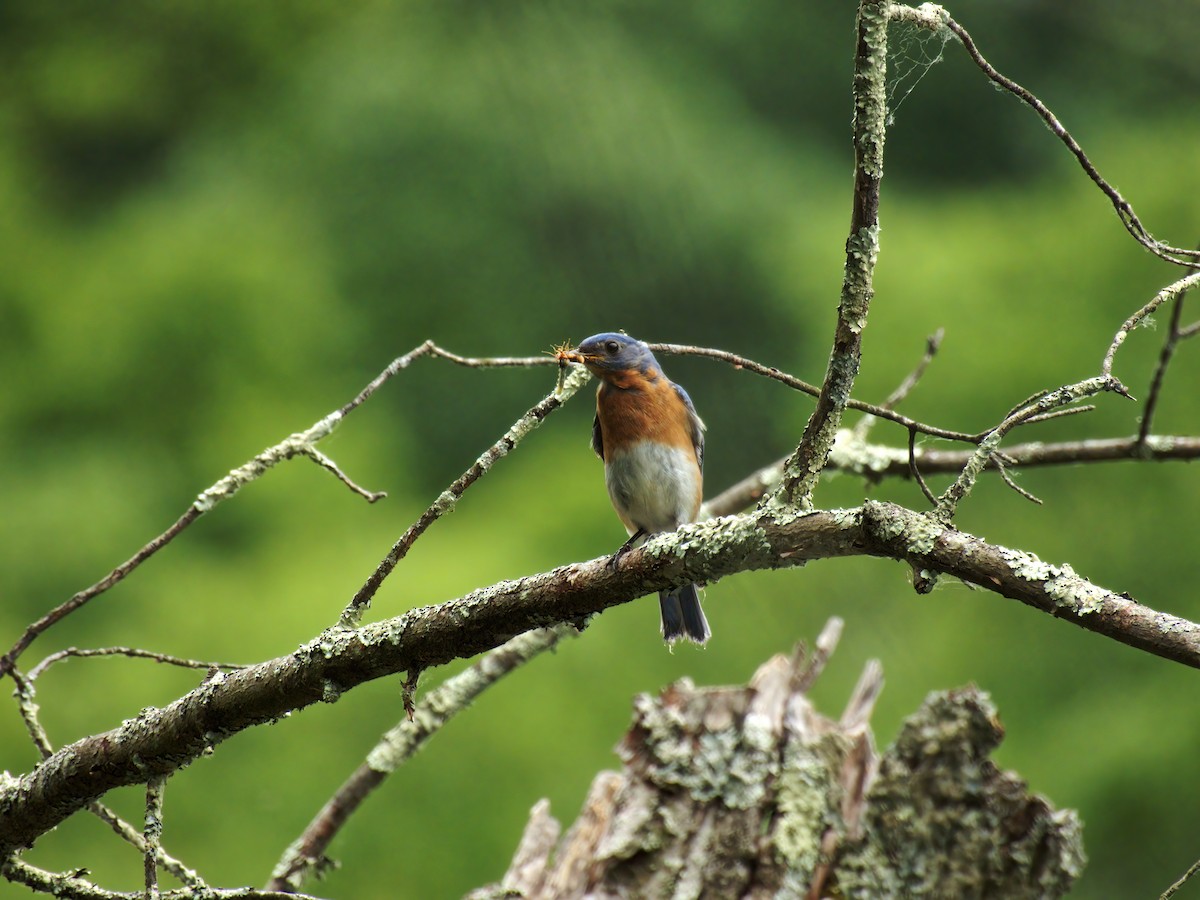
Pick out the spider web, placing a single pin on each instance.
(912, 52)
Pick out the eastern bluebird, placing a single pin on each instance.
(652, 443)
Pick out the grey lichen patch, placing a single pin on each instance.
(718, 764)
(331, 691)
(328, 643)
(847, 518)
(933, 818)
(713, 538)
(1029, 568)
(709, 769)
(862, 251)
(870, 87)
(445, 502)
(806, 789)
(322, 645)
(1159, 443)
(568, 387)
(886, 524)
(928, 15)
(238, 478)
(943, 821)
(385, 756)
(750, 769)
(1069, 591)
(923, 534)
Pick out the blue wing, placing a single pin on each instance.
(597, 437)
(697, 426)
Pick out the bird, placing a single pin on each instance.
(651, 440)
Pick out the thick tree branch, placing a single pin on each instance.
(159, 741)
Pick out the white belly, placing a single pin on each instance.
(653, 487)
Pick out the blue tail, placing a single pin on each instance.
(682, 616)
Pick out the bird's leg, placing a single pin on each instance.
(626, 547)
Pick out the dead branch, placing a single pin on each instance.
(160, 740)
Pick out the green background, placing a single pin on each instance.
(221, 220)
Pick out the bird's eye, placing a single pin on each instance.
(612, 347)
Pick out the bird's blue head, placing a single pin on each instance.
(609, 355)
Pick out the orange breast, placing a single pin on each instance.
(653, 411)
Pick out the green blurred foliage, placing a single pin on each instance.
(222, 220)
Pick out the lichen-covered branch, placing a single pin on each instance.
(75, 886)
(158, 741)
(804, 467)
(853, 455)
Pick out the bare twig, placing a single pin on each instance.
(1170, 342)
(879, 411)
(493, 362)
(1170, 292)
(739, 362)
(914, 471)
(948, 502)
(130, 652)
(429, 348)
(73, 886)
(446, 501)
(932, 344)
(1060, 413)
(1160, 370)
(82, 597)
(330, 466)
(307, 856)
(1184, 879)
(298, 444)
(1002, 468)
(935, 18)
(152, 833)
(131, 835)
(1037, 454)
(27, 708)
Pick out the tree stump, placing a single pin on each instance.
(749, 792)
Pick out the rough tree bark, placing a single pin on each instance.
(749, 792)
